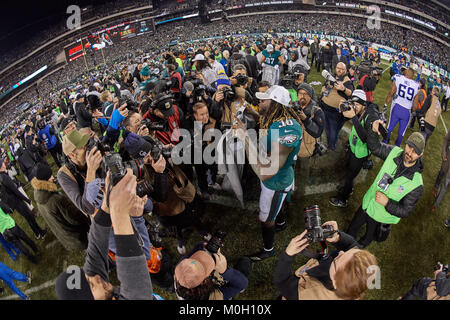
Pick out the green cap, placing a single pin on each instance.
(417, 141)
(74, 140)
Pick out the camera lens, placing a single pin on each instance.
(312, 217)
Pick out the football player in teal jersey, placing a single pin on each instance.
(274, 167)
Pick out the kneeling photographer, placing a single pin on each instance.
(340, 275)
(432, 289)
(203, 273)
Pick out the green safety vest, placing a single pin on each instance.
(293, 94)
(57, 110)
(399, 188)
(10, 156)
(358, 147)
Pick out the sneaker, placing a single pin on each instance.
(434, 192)
(447, 223)
(215, 186)
(27, 297)
(280, 227)
(182, 249)
(29, 276)
(206, 236)
(37, 236)
(262, 255)
(42, 236)
(335, 201)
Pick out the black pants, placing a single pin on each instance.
(16, 235)
(362, 218)
(56, 152)
(418, 290)
(444, 103)
(188, 218)
(353, 167)
(25, 212)
(313, 57)
(164, 278)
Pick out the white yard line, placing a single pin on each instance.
(445, 127)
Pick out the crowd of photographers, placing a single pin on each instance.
(113, 138)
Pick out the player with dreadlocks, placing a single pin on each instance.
(274, 167)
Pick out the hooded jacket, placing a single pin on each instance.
(67, 223)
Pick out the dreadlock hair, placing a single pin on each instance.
(278, 112)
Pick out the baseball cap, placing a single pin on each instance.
(199, 57)
(74, 140)
(417, 141)
(192, 271)
(163, 104)
(275, 93)
(359, 96)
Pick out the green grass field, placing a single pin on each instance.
(412, 249)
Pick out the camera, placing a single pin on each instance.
(385, 182)
(240, 115)
(346, 106)
(112, 162)
(229, 95)
(422, 124)
(315, 231)
(155, 125)
(331, 82)
(216, 242)
(445, 268)
(367, 68)
(241, 79)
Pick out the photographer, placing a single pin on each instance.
(132, 271)
(204, 275)
(175, 79)
(292, 81)
(200, 116)
(48, 136)
(358, 152)
(429, 113)
(341, 275)
(79, 170)
(239, 79)
(368, 82)
(164, 111)
(312, 120)
(431, 289)
(334, 91)
(83, 115)
(444, 173)
(396, 189)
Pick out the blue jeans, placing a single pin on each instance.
(334, 122)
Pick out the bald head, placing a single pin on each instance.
(409, 73)
(341, 69)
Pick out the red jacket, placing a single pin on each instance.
(178, 77)
(173, 135)
(369, 94)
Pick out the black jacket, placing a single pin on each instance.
(9, 193)
(84, 117)
(254, 66)
(314, 126)
(287, 282)
(404, 207)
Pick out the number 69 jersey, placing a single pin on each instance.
(406, 91)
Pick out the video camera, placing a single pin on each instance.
(288, 81)
(112, 161)
(366, 68)
(315, 231)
